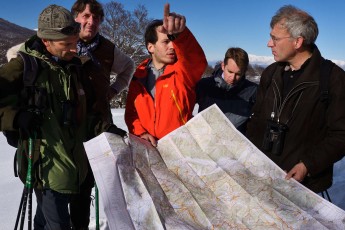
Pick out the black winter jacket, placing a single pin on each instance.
(315, 131)
(235, 102)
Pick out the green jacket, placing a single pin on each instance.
(63, 162)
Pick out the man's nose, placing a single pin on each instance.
(91, 20)
(170, 45)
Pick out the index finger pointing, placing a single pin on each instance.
(166, 10)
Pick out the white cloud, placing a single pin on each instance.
(253, 60)
(339, 63)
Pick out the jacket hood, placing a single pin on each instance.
(34, 47)
(141, 71)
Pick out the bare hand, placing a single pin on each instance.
(172, 23)
(149, 138)
(298, 172)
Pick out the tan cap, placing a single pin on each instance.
(55, 22)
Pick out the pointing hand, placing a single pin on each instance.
(172, 23)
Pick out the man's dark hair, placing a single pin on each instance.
(239, 56)
(95, 7)
(151, 33)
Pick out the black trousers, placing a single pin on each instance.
(52, 210)
(80, 204)
(80, 209)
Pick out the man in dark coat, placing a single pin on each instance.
(229, 89)
(291, 123)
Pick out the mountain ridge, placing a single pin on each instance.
(267, 60)
(11, 35)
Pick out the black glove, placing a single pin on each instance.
(27, 121)
(115, 130)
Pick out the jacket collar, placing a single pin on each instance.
(221, 83)
(141, 71)
(311, 70)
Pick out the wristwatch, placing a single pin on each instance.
(172, 37)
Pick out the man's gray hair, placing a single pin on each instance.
(297, 22)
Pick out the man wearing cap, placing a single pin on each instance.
(58, 116)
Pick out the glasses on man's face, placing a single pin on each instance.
(68, 30)
(275, 39)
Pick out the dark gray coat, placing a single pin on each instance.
(235, 102)
(316, 131)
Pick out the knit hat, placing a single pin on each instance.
(56, 22)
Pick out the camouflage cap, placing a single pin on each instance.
(56, 22)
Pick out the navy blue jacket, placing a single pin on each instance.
(236, 101)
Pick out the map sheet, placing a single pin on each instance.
(203, 175)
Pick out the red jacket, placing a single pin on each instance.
(175, 91)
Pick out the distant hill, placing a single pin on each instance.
(11, 34)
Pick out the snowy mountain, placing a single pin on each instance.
(260, 60)
(266, 60)
(339, 63)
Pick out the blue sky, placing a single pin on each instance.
(218, 24)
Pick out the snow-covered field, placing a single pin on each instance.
(11, 188)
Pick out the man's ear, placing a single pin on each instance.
(76, 17)
(150, 48)
(45, 42)
(299, 42)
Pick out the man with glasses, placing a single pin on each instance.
(54, 113)
(291, 123)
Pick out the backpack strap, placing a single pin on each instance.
(30, 69)
(326, 69)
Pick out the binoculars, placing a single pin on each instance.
(68, 113)
(274, 137)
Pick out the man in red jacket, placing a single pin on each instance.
(161, 96)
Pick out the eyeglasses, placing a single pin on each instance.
(275, 39)
(68, 30)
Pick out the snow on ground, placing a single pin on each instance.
(11, 188)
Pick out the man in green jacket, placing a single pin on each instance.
(60, 116)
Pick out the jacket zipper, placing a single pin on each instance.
(178, 107)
